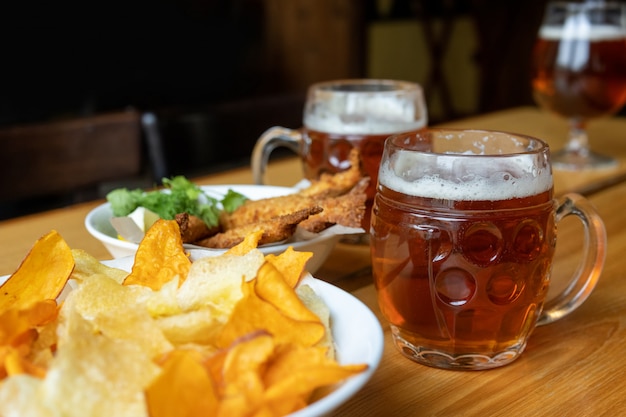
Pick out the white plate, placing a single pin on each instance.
(98, 224)
(356, 331)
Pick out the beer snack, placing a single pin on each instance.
(180, 346)
(337, 199)
(41, 276)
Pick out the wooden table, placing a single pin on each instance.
(576, 366)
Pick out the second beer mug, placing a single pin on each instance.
(464, 229)
(341, 115)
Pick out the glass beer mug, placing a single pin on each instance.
(463, 235)
(341, 115)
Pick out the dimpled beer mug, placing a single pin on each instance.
(463, 234)
(341, 115)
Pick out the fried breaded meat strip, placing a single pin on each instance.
(327, 192)
(193, 229)
(274, 230)
(332, 185)
(333, 199)
(346, 210)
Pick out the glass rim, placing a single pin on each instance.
(583, 6)
(540, 145)
(389, 86)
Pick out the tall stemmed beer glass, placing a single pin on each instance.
(579, 72)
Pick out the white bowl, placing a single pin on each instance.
(98, 224)
(356, 331)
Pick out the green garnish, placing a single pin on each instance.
(183, 197)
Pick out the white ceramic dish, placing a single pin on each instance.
(356, 330)
(98, 224)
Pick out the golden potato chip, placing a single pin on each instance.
(271, 286)
(317, 306)
(95, 375)
(18, 334)
(250, 242)
(12, 325)
(297, 371)
(254, 313)
(232, 335)
(42, 274)
(163, 302)
(242, 374)
(183, 388)
(87, 265)
(215, 282)
(291, 264)
(160, 257)
(196, 326)
(21, 395)
(118, 313)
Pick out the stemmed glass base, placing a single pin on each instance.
(572, 160)
(576, 156)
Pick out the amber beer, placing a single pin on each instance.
(461, 264)
(580, 76)
(342, 115)
(328, 152)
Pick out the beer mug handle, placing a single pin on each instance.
(588, 272)
(271, 139)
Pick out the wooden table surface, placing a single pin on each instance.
(576, 366)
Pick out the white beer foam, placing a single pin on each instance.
(583, 31)
(366, 115)
(475, 179)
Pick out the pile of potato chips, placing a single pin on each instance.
(233, 335)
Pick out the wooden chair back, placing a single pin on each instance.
(69, 156)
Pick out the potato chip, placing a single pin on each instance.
(254, 313)
(42, 274)
(291, 264)
(95, 375)
(117, 313)
(17, 337)
(242, 374)
(232, 335)
(296, 372)
(196, 326)
(183, 389)
(20, 396)
(215, 282)
(87, 265)
(317, 306)
(250, 242)
(160, 257)
(271, 286)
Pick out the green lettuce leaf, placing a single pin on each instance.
(182, 196)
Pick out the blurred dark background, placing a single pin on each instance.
(217, 73)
